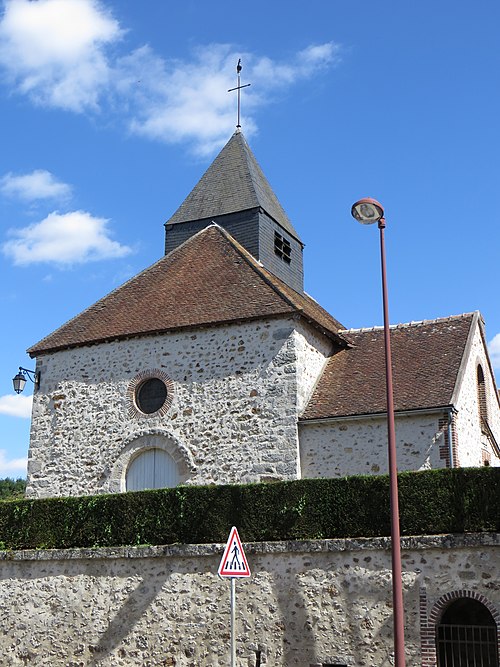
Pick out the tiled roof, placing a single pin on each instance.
(233, 182)
(426, 361)
(209, 279)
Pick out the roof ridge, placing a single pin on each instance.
(263, 190)
(227, 284)
(413, 323)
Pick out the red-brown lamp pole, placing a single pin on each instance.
(367, 211)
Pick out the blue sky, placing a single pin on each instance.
(111, 112)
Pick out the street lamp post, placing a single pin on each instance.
(368, 211)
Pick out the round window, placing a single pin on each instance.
(150, 395)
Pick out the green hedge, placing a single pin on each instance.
(431, 502)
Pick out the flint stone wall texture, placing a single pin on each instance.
(307, 603)
(471, 442)
(237, 391)
(359, 446)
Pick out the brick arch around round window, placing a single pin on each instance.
(429, 620)
(140, 379)
(141, 442)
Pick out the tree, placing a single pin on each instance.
(11, 489)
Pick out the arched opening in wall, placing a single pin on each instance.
(481, 396)
(467, 635)
(152, 469)
(483, 416)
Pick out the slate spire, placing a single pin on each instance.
(235, 194)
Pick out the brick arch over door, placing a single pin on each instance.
(148, 440)
(429, 622)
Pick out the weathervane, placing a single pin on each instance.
(238, 88)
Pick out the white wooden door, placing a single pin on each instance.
(152, 469)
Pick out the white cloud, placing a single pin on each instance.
(58, 52)
(54, 50)
(304, 64)
(63, 238)
(16, 405)
(13, 467)
(494, 349)
(188, 101)
(39, 184)
(176, 101)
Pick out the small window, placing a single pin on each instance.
(282, 248)
(151, 395)
(481, 394)
(152, 469)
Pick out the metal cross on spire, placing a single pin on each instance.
(238, 88)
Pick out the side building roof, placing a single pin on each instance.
(210, 279)
(427, 358)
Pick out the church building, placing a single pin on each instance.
(213, 366)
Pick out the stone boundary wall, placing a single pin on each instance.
(307, 603)
(420, 542)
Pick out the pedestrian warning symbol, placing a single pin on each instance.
(234, 562)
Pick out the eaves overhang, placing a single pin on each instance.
(379, 415)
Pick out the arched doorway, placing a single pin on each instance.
(466, 636)
(152, 469)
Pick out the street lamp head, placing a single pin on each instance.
(367, 211)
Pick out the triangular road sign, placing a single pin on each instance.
(234, 562)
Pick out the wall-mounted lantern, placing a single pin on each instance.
(19, 381)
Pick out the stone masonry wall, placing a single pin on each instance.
(306, 603)
(473, 445)
(359, 446)
(313, 350)
(233, 416)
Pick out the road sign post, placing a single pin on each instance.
(233, 564)
(233, 621)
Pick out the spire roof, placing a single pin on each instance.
(233, 182)
(210, 279)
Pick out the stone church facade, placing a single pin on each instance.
(213, 366)
(231, 387)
